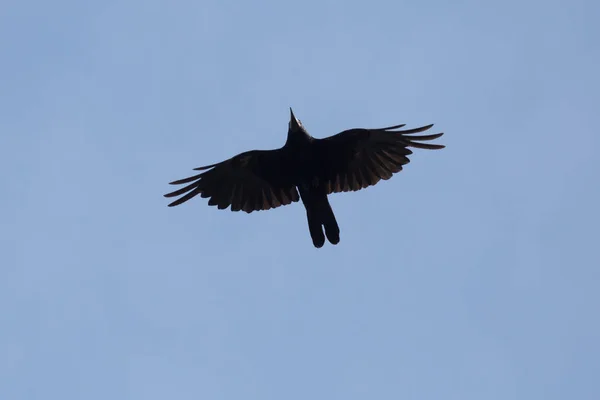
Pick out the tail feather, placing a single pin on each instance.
(332, 230)
(314, 226)
(320, 215)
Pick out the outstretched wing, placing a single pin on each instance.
(358, 158)
(251, 181)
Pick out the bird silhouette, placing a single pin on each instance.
(307, 169)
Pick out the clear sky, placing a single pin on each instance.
(472, 274)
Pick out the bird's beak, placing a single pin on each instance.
(293, 121)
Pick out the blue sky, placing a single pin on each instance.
(473, 274)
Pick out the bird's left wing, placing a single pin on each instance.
(358, 158)
(251, 181)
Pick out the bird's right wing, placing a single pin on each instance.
(358, 158)
(251, 181)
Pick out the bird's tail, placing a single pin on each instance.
(332, 230)
(314, 226)
(320, 215)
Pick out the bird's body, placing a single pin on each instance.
(307, 169)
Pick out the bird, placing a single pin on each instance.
(307, 169)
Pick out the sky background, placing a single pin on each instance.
(472, 274)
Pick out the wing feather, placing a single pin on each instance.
(251, 181)
(359, 158)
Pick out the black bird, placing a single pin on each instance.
(264, 179)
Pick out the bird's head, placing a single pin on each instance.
(296, 133)
(295, 124)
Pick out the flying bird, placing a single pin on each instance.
(307, 169)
